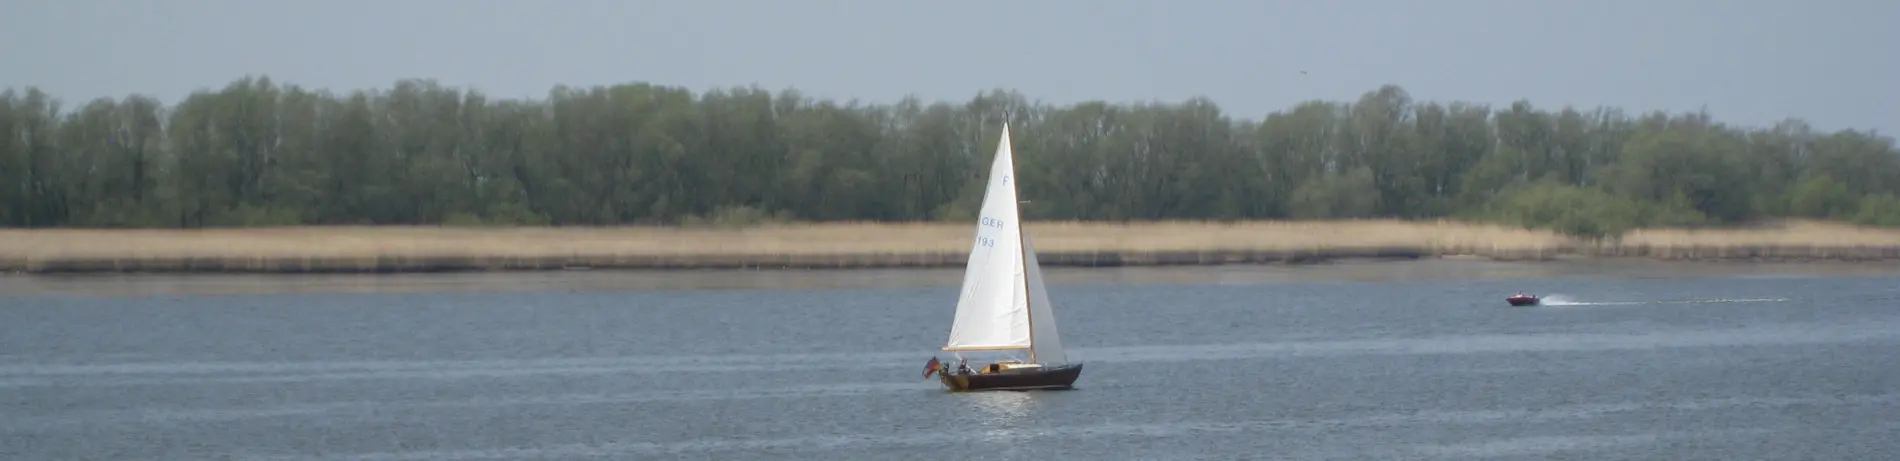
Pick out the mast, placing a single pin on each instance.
(1028, 300)
(1022, 261)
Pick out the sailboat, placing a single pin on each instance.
(1004, 306)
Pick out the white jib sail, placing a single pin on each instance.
(1042, 315)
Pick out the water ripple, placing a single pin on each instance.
(192, 373)
(834, 442)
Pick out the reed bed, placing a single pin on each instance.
(426, 248)
(1791, 240)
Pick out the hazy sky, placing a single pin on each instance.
(1835, 63)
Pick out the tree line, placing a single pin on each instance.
(260, 153)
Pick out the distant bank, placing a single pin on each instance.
(872, 245)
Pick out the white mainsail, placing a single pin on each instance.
(1003, 305)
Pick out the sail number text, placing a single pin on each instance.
(991, 222)
(986, 242)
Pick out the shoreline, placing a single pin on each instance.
(1535, 275)
(399, 264)
(420, 249)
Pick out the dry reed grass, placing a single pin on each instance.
(814, 238)
(25, 249)
(1790, 233)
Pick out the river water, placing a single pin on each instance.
(1411, 360)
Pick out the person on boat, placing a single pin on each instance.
(963, 366)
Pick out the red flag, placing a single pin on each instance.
(932, 367)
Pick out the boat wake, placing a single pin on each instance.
(1561, 300)
(1725, 300)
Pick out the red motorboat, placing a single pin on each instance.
(1520, 299)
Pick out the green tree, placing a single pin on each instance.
(256, 152)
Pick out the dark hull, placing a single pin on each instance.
(1520, 302)
(1057, 377)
